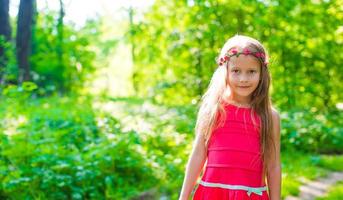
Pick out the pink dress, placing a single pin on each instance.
(234, 165)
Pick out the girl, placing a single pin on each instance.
(237, 130)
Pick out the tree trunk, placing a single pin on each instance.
(60, 34)
(34, 28)
(24, 33)
(5, 33)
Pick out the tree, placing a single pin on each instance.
(178, 41)
(5, 35)
(23, 40)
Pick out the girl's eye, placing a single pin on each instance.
(252, 71)
(235, 71)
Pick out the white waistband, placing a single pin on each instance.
(256, 190)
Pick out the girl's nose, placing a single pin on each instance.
(243, 78)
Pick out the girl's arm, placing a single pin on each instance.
(274, 169)
(194, 166)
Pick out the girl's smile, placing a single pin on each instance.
(244, 87)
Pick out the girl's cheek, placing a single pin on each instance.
(234, 77)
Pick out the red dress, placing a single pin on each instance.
(234, 165)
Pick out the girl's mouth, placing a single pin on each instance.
(244, 87)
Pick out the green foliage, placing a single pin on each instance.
(8, 65)
(61, 62)
(331, 162)
(166, 134)
(60, 148)
(76, 147)
(177, 43)
(57, 148)
(312, 131)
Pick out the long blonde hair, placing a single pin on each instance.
(211, 105)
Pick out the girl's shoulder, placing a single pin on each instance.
(275, 113)
(276, 123)
(276, 120)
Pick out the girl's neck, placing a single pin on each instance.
(241, 102)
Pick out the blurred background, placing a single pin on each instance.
(99, 98)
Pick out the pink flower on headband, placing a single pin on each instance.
(259, 54)
(234, 51)
(246, 51)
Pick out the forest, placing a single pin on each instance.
(107, 109)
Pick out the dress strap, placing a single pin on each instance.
(256, 190)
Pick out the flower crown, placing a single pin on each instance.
(246, 51)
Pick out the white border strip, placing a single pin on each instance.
(256, 190)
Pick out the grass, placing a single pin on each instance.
(335, 192)
(296, 165)
(331, 162)
(299, 167)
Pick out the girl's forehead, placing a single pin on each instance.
(245, 61)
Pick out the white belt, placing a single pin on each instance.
(256, 190)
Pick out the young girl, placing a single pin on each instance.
(237, 130)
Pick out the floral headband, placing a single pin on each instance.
(246, 51)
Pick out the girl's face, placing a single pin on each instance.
(243, 76)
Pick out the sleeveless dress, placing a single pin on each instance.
(234, 165)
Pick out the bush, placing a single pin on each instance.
(57, 148)
(312, 132)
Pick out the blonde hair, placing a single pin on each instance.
(211, 105)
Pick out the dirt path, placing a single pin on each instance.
(317, 188)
